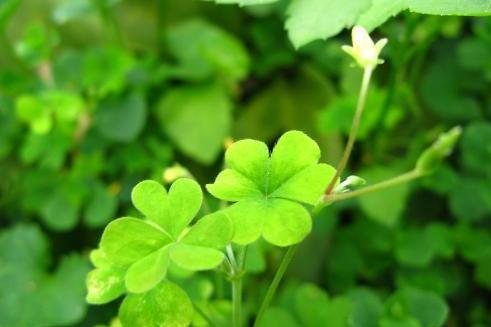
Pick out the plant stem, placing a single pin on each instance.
(237, 266)
(237, 301)
(287, 258)
(409, 176)
(367, 74)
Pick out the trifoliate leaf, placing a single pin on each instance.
(105, 284)
(195, 258)
(185, 197)
(166, 305)
(213, 231)
(142, 250)
(126, 240)
(173, 211)
(144, 274)
(267, 188)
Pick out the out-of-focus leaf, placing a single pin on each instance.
(57, 299)
(470, 200)
(197, 119)
(61, 212)
(203, 49)
(37, 44)
(367, 308)
(105, 70)
(475, 152)
(101, 207)
(414, 248)
(441, 91)
(274, 316)
(385, 206)
(121, 119)
(429, 309)
(338, 115)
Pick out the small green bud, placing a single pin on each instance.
(442, 147)
(349, 183)
(175, 172)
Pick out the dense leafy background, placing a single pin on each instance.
(98, 95)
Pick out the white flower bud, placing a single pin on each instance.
(364, 51)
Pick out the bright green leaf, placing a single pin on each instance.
(150, 198)
(126, 240)
(105, 284)
(266, 188)
(185, 198)
(193, 257)
(230, 185)
(254, 166)
(164, 306)
(147, 272)
(285, 223)
(214, 231)
(318, 19)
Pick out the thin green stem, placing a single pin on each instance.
(404, 178)
(237, 267)
(237, 301)
(367, 74)
(287, 258)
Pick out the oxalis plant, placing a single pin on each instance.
(271, 194)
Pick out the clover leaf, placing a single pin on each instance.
(269, 190)
(135, 253)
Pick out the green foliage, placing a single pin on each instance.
(165, 305)
(98, 95)
(135, 254)
(32, 296)
(311, 20)
(388, 205)
(181, 107)
(267, 189)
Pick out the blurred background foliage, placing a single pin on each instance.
(97, 95)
